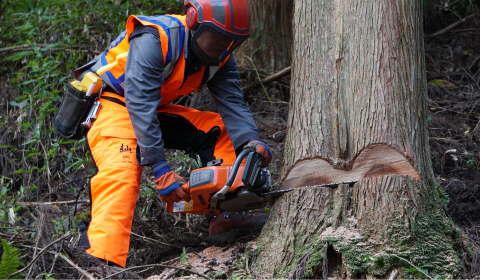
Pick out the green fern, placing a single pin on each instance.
(10, 260)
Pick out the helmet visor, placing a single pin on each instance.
(212, 46)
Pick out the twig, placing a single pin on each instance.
(258, 76)
(65, 258)
(144, 270)
(443, 140)
(40, 224)
(49, 182)
(19, 228)
(470, 76)
(452, 26)
(448, 6)
(54, 261)
(88, 275)
(51, 203)
(160, 265)
(153, 240)
(267, 80)
(473, 63)
(394, 275)
(278, 102)
(19, 239)
(476, 127)
(453, 111)
(76, 180)
(39, 254)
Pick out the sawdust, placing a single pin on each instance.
(212, 259)
(340, 233)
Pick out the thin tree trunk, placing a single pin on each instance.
(271, 36)
(358, 112)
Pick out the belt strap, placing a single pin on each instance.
(114, 100)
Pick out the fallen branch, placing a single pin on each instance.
(28, 47)
(267, 80)
(51, 203)
(39, 254)
(452, 26)
(160, 265)
(66, 259)
(443, 140)
(153, 240)
(453, 111)
(16, 237)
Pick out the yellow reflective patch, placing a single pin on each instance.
(104, 69)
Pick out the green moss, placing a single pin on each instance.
(84, 216)
(418, 231)
(318, 251)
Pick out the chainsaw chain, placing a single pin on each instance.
(330, 185)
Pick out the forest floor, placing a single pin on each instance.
(160, 237)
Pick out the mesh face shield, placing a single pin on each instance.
(213, 61)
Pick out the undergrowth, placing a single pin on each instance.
(42, 43)
(10, 260)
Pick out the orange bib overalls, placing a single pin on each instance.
(112, 142)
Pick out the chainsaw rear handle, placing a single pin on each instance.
(221, 193)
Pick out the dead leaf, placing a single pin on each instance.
(441, 83)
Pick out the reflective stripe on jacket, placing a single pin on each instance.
(174, 34)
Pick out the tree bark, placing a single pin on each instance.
(270, 41)
(358, 111)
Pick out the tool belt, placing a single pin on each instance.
(73, 114)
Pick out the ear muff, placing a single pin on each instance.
(191, 18)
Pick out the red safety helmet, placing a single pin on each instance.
(228, 17)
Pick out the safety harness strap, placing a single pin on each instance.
(83, 233)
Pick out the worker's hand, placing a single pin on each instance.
(262, 149)
(169, 184)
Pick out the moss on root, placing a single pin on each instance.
(418, 231)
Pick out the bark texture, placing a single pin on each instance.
(359, 79)
(271, 37)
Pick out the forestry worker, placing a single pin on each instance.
(168, 56)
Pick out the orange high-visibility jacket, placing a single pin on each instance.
(173, 36)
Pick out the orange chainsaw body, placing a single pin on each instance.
(203, 184)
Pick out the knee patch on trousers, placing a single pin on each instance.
(179, 133)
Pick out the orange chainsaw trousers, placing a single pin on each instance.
(114, 189)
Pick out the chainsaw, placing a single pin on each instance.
(237, 187)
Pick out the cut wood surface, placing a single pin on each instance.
(375, 160)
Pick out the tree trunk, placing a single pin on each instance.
(358, 112)
(269, 45)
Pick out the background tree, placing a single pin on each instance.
(358, 112)
(270, 42)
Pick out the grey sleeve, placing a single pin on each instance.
(228, 96)
(143, 80)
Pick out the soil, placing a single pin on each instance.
(453, 73)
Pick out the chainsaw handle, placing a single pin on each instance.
(221, 193)
(235, 167)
